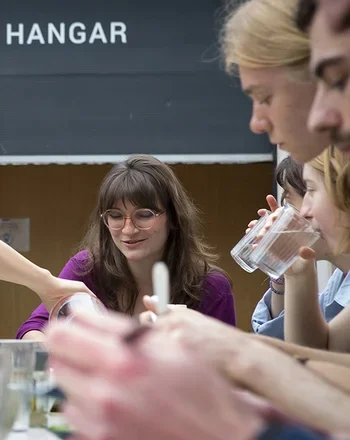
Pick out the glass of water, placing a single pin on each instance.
(22, 355)
(9, 399)
(279, 247)
(242, 252)
(79, 302)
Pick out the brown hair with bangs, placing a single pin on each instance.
(147, 182)
(290, 172)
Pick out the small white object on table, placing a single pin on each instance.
(32, 434)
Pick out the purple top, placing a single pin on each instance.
(216, 302)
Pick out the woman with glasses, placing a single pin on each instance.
(143, 215)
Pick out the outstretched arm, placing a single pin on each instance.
(19, 270)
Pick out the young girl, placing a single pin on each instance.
(327, 190)
(268, 318)
(144, 215)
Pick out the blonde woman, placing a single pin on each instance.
(326, 191)
(268, 316)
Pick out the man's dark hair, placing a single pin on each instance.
(305, 14)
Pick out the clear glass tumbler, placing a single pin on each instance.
(279, 247)
(242, 252)
(9, 399)
(77, 303)
(21, 378)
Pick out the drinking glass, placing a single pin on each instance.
(279, 247)
(242, 252)
(79, 302)
(9, 399)
(22, 354)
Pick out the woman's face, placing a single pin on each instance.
(281, 106)
(319, 208)
(139, 244)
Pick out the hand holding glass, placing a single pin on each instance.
(79, 302)
(279, 247)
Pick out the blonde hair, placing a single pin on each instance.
(335, 169)
(262, 33)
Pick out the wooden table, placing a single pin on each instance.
(32, 434)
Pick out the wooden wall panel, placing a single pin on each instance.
(59, 199)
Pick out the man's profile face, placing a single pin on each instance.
(337, 13)
(330, 64)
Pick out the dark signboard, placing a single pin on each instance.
(89, 80)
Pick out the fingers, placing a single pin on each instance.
(150, 303)
(262, 212)
(252, 223)
(146, 318)
(251, 226)
(61, 288)
(269, 222)
(172, 321)
(272, 202)
(182, 322)
(275, 209)
(307, 253)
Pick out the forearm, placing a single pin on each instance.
(277, 301)
(290, 386)
(262, 320)
(299, 351)
(337, 375)
(303, 320)
(19, 270)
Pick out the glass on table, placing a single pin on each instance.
(41, 404)
(22, 362)
(9, 398)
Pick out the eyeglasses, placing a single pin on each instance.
(115, 219)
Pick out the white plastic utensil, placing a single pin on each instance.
(161, 287)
